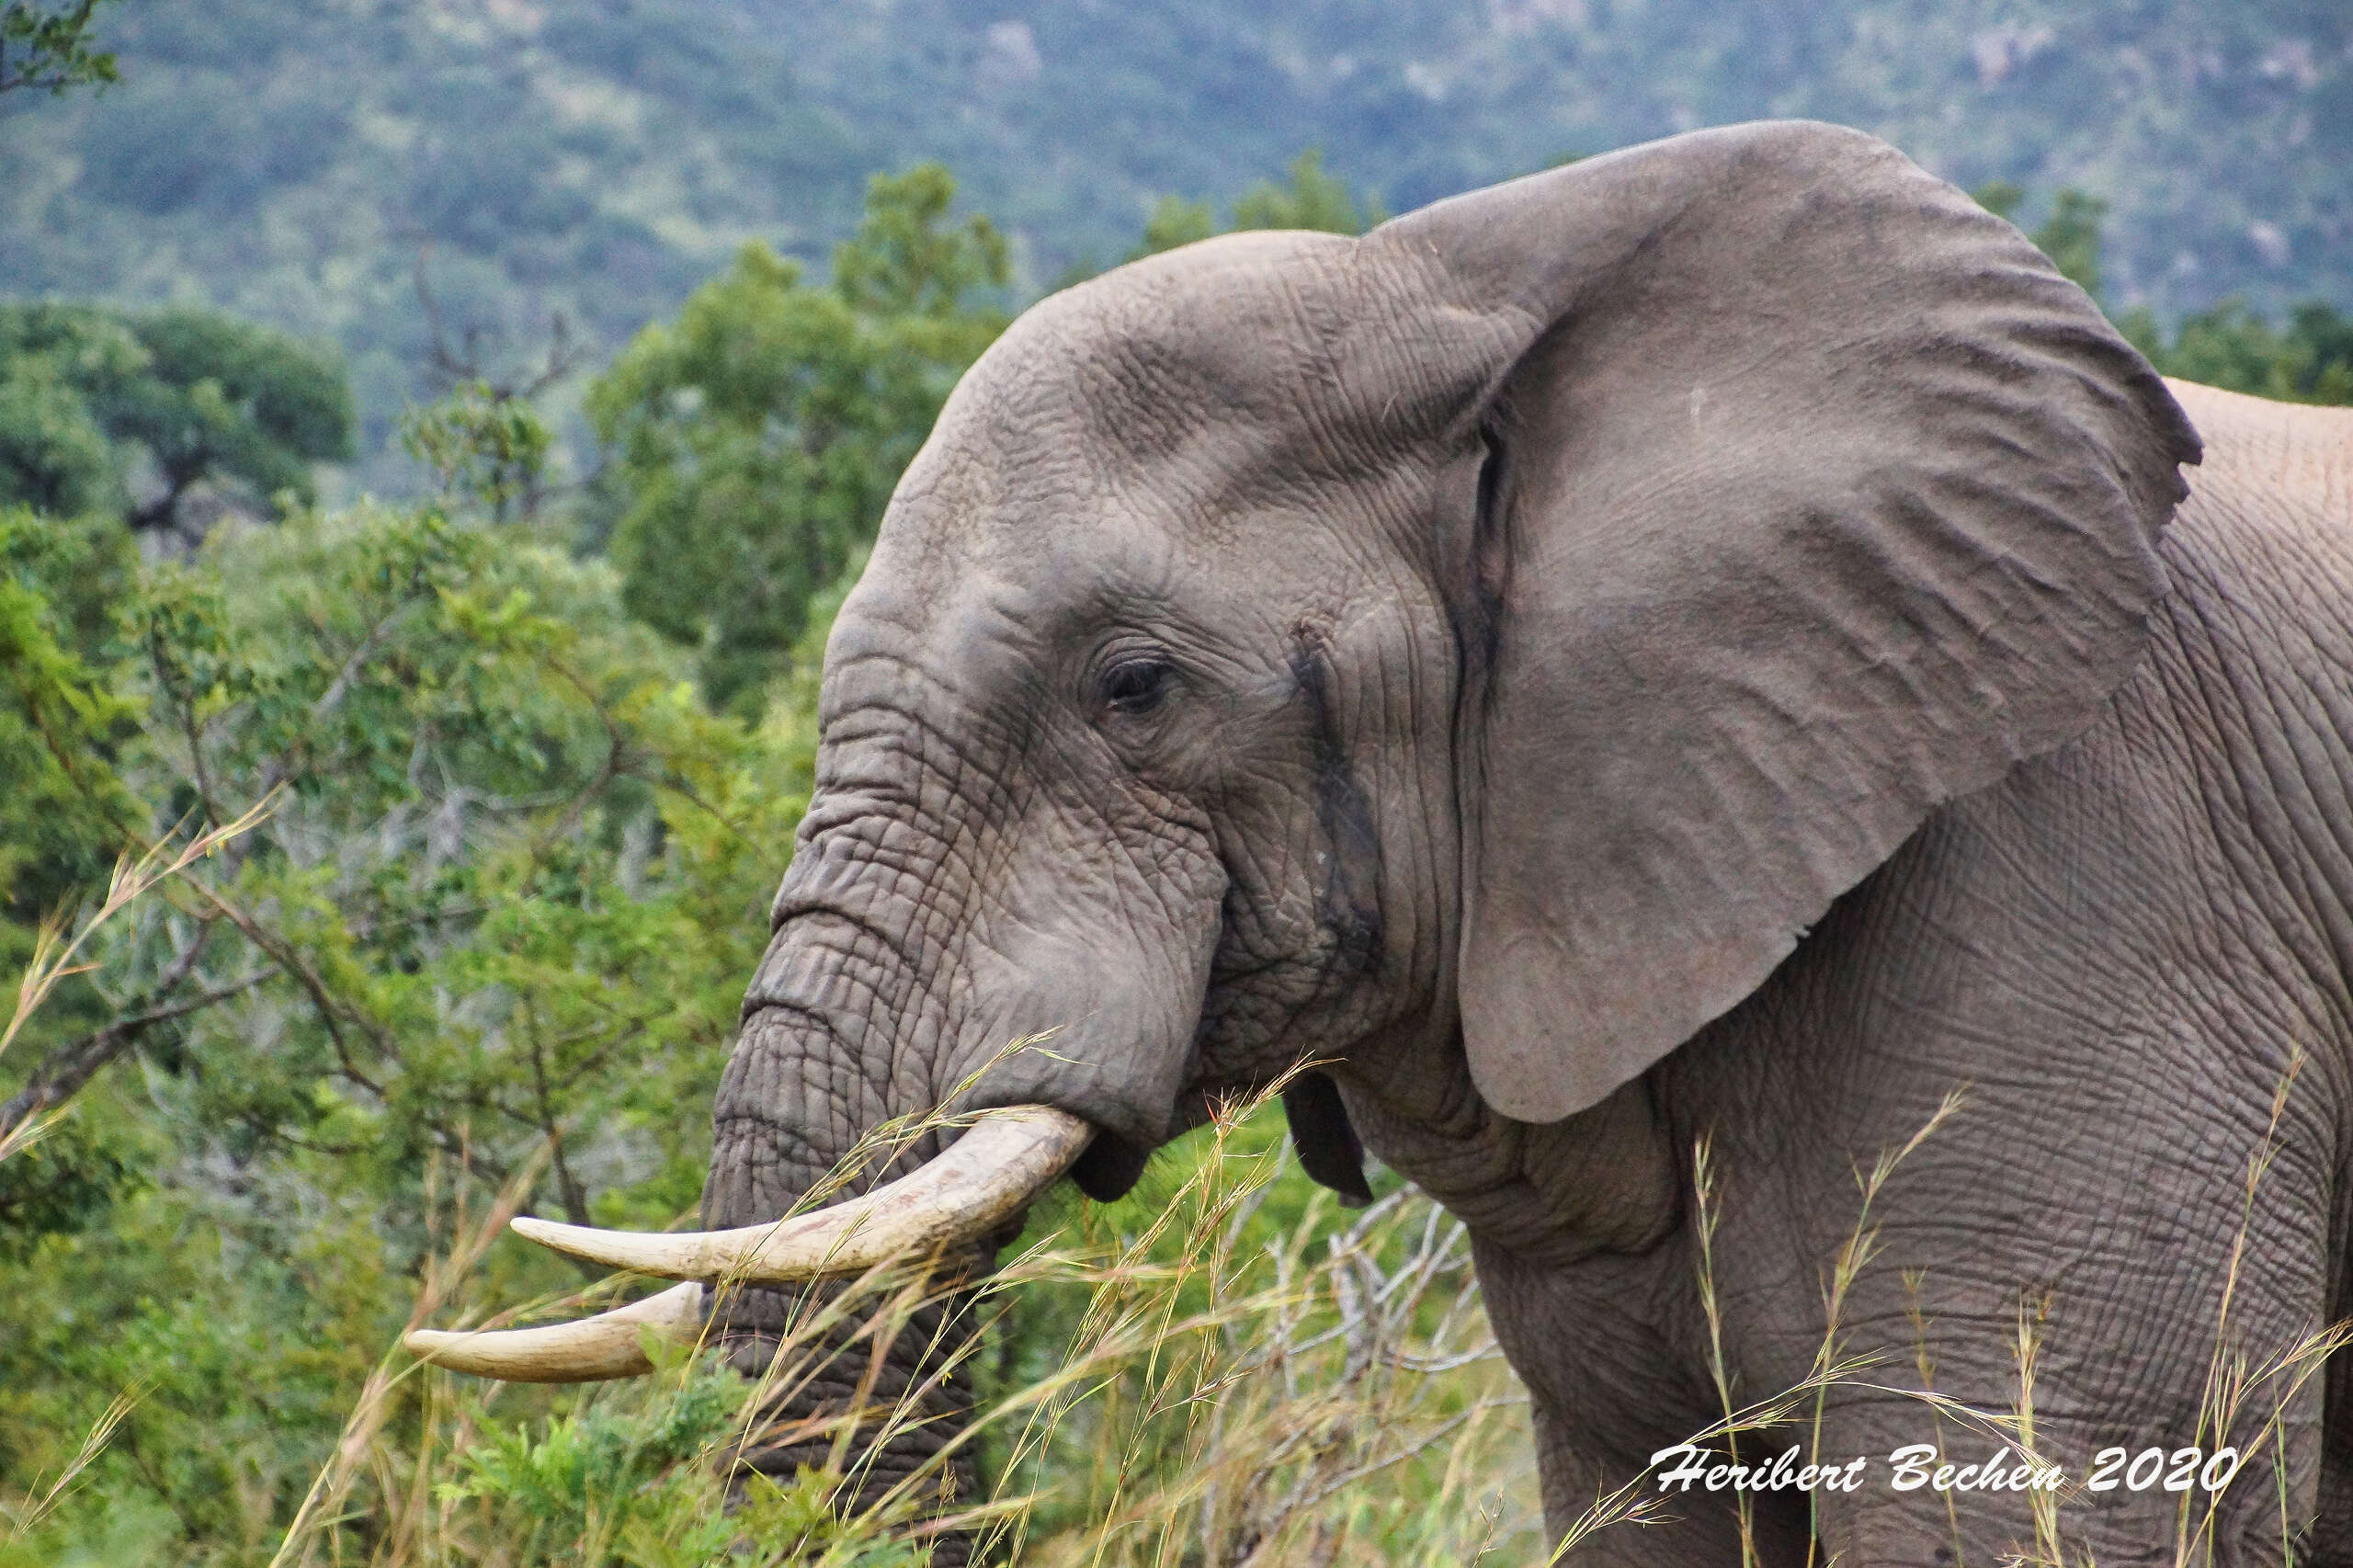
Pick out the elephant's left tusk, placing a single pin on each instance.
(605, 1345)
(976, 1185)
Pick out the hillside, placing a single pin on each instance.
(601, 156)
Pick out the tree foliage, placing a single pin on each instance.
(48, 46)
(758, 436)
(131, 411)
(60, 365)
(220, 399)
(64, 812)
(2231, 345)
(2070, 236)
(1313, 197)
(496, 922)
(482, 442)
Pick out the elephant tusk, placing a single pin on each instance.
(1007, 1157)
(605, 1345)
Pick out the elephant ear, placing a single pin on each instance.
(1813, 497)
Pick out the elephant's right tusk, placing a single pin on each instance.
(605, 1345)
(985, 1177)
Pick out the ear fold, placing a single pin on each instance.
(1816, 498)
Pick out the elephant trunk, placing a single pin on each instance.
(785, 1129)
(859, 1372)
(898, 985)
(823, 1058)
(911, 1377)
(883, 997)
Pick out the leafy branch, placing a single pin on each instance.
(41, 47)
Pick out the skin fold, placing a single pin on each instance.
(1696, 644)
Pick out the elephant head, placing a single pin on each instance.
(1468, 656)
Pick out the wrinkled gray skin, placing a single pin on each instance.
(1686, 644)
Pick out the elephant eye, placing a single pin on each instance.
(1135, 686)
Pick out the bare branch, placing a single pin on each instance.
(332, 1014)
(63, 1074)
(454, 368)
(53, 955)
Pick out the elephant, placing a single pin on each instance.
(1714, 644)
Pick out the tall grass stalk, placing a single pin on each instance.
(54, 951)
(1233, 1375)
(1854, 1254)
(1232, 1390)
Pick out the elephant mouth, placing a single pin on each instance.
(1108, 1166)
(967, 1193)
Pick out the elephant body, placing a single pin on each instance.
(1697, 647)
(2124, 950)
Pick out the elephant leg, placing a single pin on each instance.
(1591, 1339)
(1697, 1529)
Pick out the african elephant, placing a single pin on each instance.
(1686, 644)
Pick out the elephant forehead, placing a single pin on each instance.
(901, 643)
(1148, 433)
(983, 592)
(992, 544)
(1134, 365)
(1229, 547)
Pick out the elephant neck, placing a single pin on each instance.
(1605, 1180)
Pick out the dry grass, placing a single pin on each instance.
(1233, 1374)
(1224, 1390)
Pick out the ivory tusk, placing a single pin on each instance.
(1006, 1158)
(605, 1345)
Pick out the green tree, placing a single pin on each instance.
(93, 401)
(494, 928)
(45, 46)
(1174, 221)
(64, 814)
(2232, 347)
(758, 436)
(1313, 197)
(220, 399)
(2228, 345)
(484, 442)
(57, 363)
(2071, 238)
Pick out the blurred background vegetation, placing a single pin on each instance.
(636, 309)
(601, 158)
